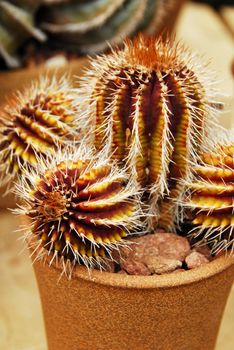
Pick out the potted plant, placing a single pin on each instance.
(51, 37)
(142, 168)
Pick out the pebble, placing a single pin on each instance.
(159, 253)
(195, 259)
(139, 247)
(159, 265)
(172, 246)
(169, 245)
(134, 267)
(204, 250)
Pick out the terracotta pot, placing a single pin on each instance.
(106, 311)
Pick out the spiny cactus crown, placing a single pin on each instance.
(150, 109)
(81, 207)
(210, 196)
(36, 122)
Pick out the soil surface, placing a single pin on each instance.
(157, 254)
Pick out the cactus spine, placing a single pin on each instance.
(148, 106)
(39, 120)
(210, 200)
(81, 207)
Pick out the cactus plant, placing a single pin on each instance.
(78, 26)
(16, 26)
(36, 122)
(210, 196)
(89, 25)
(80, 205)
(149, 106)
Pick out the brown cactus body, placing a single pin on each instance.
(80, 208)
(43, 118)
(211, 198)
(148, 106)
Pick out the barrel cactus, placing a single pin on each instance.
(78, 26)
(80, 206)
(210, 196)
(35, 123)
(149, 107)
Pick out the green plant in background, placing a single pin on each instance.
(77, 26)
(16, 26)
(210, 196)
(149, 107)
(88, 25)
(81, 207)
(35, 123)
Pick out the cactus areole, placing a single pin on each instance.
(148, 107)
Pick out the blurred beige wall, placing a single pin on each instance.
(202, 30)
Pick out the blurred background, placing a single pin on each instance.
(48, 36)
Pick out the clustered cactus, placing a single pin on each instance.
(81, 207)
(36, 123)
(149, 107)
(78, 26)
(210, 196)
(98, 161)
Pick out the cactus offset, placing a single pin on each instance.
(210, 199)
(81, 207)
(148, 106)
(41, 118)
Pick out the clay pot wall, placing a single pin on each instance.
(106, 311)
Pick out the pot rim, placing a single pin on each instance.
(170, 280)
(214, 267)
